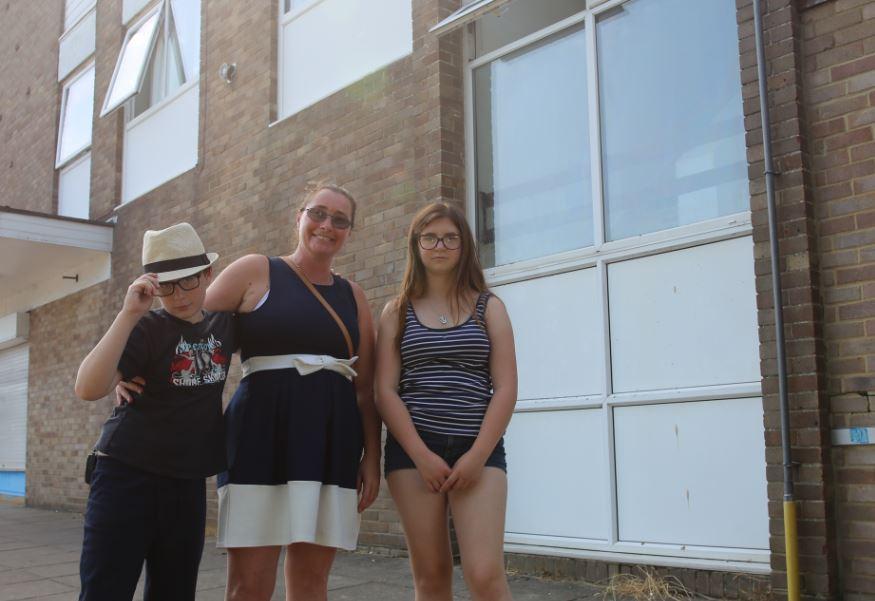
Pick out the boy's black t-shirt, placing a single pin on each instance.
(175, 427)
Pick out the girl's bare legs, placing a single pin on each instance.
(424, 517)
(251, 573)
(478, 514)
(306, 571)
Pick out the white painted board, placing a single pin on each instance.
(558, 334)
(557, 474)
(684, 318)
(161, 144)
(692, 473)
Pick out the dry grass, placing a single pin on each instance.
(646, 586)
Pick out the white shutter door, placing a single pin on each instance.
(13, 407)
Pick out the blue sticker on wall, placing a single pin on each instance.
(859, 435)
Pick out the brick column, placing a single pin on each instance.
(801, 296)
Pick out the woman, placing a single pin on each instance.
(297, 423)
(446, 387)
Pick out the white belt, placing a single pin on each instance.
(305, 364)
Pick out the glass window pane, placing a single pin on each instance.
(532, 138)
(152, 89)
(671, 113)
(131, 63)
(518, 19)
(74, 133)
(186, 29)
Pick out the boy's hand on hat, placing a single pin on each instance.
(140, 294)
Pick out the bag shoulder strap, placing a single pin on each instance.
(325, 304)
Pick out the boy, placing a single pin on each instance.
(147, 500)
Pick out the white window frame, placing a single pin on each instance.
(293, 13)
(736, 224)
(141, 71)
(600, 255)
(470, 11)
(59, 161)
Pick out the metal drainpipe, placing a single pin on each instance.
(790, 537)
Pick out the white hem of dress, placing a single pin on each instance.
(263, 515)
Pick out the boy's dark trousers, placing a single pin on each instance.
(135, 516)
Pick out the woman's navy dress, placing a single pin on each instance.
(294, 442)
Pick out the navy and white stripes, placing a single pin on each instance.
(445, 380)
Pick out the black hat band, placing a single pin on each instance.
(176, 264)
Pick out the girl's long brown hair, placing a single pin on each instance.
(469, 274)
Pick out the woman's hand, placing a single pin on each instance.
(433, 470)
(465, 473)
(125, 391)
(368, 480)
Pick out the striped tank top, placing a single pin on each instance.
(445, 380)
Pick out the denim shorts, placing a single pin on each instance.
(448, 447)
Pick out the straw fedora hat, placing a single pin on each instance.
(175, 253)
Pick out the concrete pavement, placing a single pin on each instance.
(39, 561)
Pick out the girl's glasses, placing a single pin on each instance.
(430, 241)
(319, 215)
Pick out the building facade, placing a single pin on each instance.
(609, 156)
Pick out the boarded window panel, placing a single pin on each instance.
(74, 188)
(558, 334)
(74, 9)
(684, 318)
(161, 145)
(76, 45)
(13, 407)
(692, 473)
(337, 42)
(559, 474)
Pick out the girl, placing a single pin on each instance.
(446, 386)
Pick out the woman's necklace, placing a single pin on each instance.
(304, 273)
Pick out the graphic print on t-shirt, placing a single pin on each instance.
(198, 363)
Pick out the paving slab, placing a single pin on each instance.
(39, 561)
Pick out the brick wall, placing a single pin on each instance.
(385, 137)
(61, 428)
(839, 77)
(29, 103)
(801, 299)
(396, 140)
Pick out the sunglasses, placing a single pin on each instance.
(318, 214)
(430, 241)
(187, 283)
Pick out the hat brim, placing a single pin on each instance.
(169, 276)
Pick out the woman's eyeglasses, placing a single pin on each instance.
(188, 283)
(430, 241)
(319, 215)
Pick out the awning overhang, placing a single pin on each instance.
(44, 258)
(466, 14)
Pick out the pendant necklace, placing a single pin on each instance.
(443, 318)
